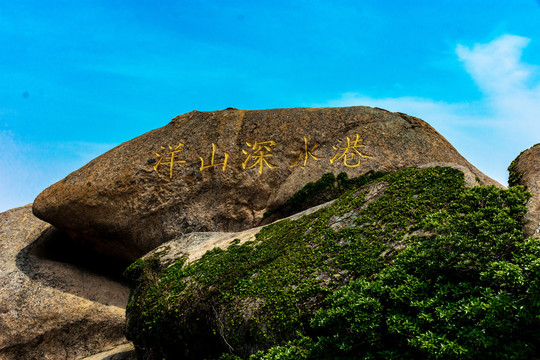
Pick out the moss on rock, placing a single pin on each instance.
(514, 177)
(413, 274)
(327, 188)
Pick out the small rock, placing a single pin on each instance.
(122, 352)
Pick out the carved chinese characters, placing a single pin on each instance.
(169, 157)
(305, 153)
(223, 170)
(259, 152)
(258, 155)
(350, 152)
(212, 163)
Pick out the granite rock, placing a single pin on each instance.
(222, 170)
(51, 309)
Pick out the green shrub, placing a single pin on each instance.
(431, 269)
(328, 187)
(468, 292)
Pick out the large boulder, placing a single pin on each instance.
(49, 308)
(223, 170)
(525, 170)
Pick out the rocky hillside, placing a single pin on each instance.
(328, 233)
(58, 298)
(525, 170)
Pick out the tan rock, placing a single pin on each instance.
(122, 352)
(131, 199)
(525, 170)
(50, 309)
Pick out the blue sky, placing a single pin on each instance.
(79, 77)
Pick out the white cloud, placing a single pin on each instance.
(508, 84)
(491, 132)
(496, 66)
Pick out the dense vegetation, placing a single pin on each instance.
(428, 269)
(328, 187)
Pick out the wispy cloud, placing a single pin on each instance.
(511, 87)
(492, 131)
(26, 169)
(496, 66)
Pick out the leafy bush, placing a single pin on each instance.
(431, 269)
(328, 187)
(468, 292)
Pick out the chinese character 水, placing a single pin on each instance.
(306, 154)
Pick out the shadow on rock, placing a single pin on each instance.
(72, 266)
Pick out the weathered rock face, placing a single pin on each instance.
(194, 245)
(525, 170)
(50, 309)
(222, 170)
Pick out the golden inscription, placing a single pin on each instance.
(212, 163)
(259, 152)
(305, 153)
(349, 152)
(169, 157)
(258, 155)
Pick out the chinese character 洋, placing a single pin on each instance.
(169, 158)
